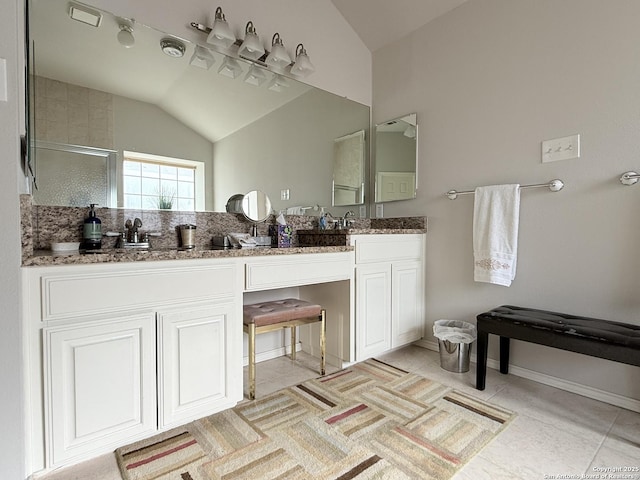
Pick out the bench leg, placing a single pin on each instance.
(293, 343)
(504, 354)
(252, 361)
(481, 365)
(323, 341)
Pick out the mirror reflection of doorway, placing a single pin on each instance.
(396, 159)
(348, 169)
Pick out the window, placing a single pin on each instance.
(154, 182)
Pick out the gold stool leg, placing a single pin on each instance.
(293, 343)
(252, 361)
(322, 341)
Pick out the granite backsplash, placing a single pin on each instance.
(42, 225)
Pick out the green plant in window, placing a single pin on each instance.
(165, 198)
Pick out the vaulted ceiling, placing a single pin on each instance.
(380, 22)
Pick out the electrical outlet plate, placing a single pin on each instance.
(379, 210)
(561, 148)
(363, 211)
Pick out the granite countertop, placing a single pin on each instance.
(362, 231)
(110, 255)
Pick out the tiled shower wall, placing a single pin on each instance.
(71, 114)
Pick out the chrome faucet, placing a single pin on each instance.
(344, 222)
(132, 229)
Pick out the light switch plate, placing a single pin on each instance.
(363, 211)
(561, 148)
(379, 210)
(3, 80)
(284, 194)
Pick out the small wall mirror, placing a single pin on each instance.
(396, 159)
(348, 169)
(256, 206)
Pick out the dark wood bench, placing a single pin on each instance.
(615, 341)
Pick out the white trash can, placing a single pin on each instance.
(454, 342)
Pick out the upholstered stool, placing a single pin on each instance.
(269, 316)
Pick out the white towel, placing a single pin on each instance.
(242, 240)
(495, 233)
(295, 211)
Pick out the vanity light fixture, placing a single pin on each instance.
(85, 14)
(277, 60)
(278, 83)
(251, 47)
(302, 65)
(221, 34)
(278, 57)
(172, 47)
(230, 68)
(125, 35)
(202, 58)
(255, 76)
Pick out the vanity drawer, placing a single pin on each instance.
(385, 248)
(98, 291)
(295, 270)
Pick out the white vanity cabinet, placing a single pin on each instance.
(120, 351)
(99, 383)
(193, 362)
(389, 291)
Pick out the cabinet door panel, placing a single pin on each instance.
(194, 361)
(100, 385)
(373, 284)
(407, 299)
(201, 366)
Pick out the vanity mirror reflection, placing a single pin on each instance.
(396, 159)
(193, 133)
(256, 206)
(349, 169)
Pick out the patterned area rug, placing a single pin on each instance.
(371, 420)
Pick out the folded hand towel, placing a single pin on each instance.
(495, 233)
(242, 240)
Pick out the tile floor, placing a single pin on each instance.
(555, 435)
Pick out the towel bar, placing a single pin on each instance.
(554, 185)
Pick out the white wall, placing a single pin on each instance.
(489, 81)
(292, 143)
(342, 61)
(12, 438)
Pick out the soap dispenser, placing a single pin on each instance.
(92, 230)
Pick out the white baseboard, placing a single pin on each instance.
(562, 384)
(270, 354)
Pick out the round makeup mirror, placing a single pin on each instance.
(256, 206)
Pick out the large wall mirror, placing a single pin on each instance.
(171, 124)
(396, 159)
